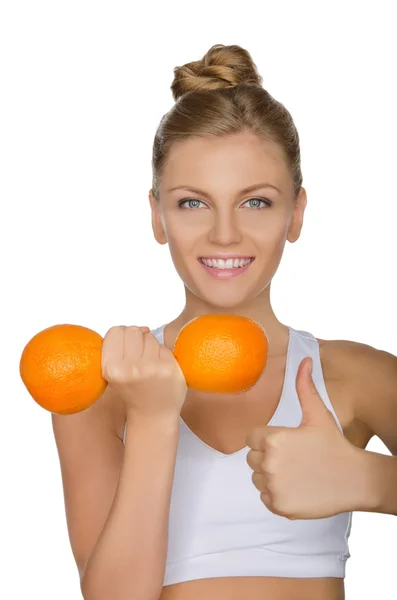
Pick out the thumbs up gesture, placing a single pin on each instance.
(305, 472)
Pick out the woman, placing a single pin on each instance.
(180, 495)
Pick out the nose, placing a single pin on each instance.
(224, 229)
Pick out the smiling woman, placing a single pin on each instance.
(179, 514)
(224, 219)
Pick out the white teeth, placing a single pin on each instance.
(230, 263)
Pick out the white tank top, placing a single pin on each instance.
(218, 525)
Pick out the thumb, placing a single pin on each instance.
(314, 411)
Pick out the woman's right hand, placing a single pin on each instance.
(144, 373)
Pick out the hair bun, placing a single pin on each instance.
(221, 66)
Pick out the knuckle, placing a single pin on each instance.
(270, 440)
(164, 371)
(290, 516)
(259, 481)
(118, 373)
(270, 465)
(115, 328)
(150, 337)
(147, 372)
(279, 510)
(112, 371)
(111, 335)
(254, 478)
(263, 464)
(271, 503)
(254, 463)
(275, 439)
(249, 458)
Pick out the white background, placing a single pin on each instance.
(84, 85)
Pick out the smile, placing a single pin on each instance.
(226, 269)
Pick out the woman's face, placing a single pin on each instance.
(223, 218)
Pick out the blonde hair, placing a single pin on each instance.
(220, 95)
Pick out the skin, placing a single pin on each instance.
(227, 222)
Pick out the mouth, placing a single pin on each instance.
(226, 268)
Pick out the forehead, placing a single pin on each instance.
(243, 157)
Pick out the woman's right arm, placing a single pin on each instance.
(128, 560)
(117, 498)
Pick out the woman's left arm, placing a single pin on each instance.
(313, 471)
(377, 409)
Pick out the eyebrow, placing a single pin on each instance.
(246, 190)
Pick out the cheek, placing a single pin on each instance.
(178, 240)
(270, 244)
(185, 232)
(271, 239)
(181, 245)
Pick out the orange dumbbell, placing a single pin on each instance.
(218, 353)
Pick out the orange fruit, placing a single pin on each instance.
(61, 368)
(221, 353)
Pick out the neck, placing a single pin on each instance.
(259, 309)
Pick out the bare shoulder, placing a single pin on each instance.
(359, 363)
(366, 378)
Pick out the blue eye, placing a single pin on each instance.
(265, 202)
(188, 200)
(183, 202)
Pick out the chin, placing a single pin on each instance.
(219, 295)
(223, 301)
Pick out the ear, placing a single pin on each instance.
(295, 227)
(157, 226)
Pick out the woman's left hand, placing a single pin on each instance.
(306, 472)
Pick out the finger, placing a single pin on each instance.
(166, 354)
(133, 344)
(151, 347)
(113, 346)
(314, 410)
(145, 329)
(261, 438)
(255, 437)
(266, 499)
(259, 481)
(255, 459)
